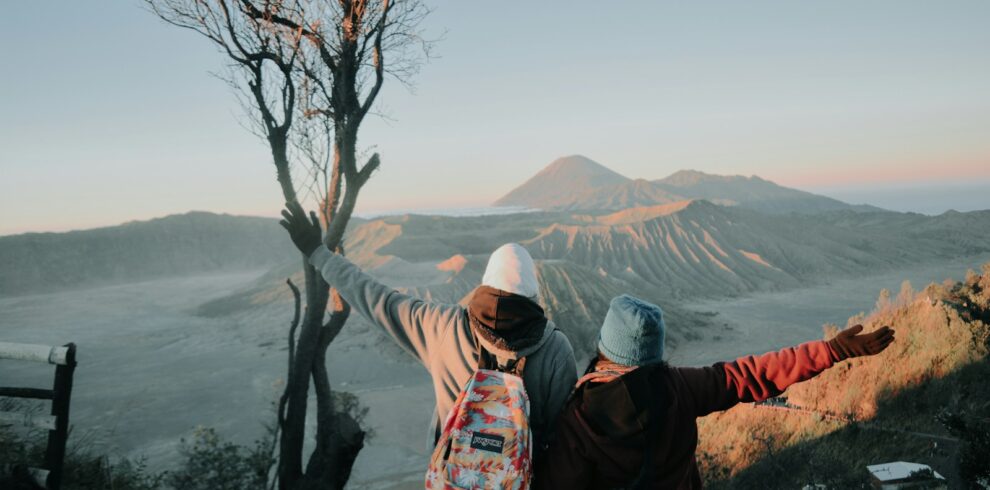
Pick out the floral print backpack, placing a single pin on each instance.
(486, 441)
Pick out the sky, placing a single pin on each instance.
(109, 115)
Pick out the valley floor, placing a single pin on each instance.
(763, 322)
(150, 370)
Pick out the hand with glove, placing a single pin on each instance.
(305, 232)
(851, 343)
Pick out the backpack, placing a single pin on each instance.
(486, 441)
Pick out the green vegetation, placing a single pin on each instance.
(208, 461)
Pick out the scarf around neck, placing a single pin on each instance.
(603, 371)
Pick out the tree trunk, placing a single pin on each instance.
(297, 385)
(265, 39)
(293, 430)
(339, 438)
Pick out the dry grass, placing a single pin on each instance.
(873, 409)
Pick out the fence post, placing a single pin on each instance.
(55, 454)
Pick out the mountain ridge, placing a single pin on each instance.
(180, 244)
(677, 244)
(566, 184)
(560, 180)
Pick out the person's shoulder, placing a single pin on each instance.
(459, 315)
(558, 341)
(675, 373)
(558, 352)
(455, 318)
(681, 378)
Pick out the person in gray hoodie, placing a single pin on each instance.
(502, 318)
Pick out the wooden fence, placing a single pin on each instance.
(57, 423)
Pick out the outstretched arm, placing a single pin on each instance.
(757, 378)
(417, 326)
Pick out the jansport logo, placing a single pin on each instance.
(487, 442)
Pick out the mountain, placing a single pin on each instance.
(689, 247)
(175, 245)
(576, 183)
(663, 253)
(749, 192)
(634, 193)
(410, 253)
(698, 248)
(687, 250)
(560, 183)
(964, 231)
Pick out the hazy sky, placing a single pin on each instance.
(110, 115)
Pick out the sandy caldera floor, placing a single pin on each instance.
(762, 322)
(150, 370)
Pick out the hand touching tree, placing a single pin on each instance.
(305, 232)
(310, 71)
(851, 343)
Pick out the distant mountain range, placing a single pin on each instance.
(176, 245)
(661, 249)
(578, 183)
(686, 250)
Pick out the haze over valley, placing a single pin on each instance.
(182, 320)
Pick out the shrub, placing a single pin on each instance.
(941, 359)
(210, 463)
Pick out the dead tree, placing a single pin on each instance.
(309, 72)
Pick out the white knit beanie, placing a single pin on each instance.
(511, 269)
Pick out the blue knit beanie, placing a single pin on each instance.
(633, 332)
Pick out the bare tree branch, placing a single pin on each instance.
(307, 73)
(292, 350)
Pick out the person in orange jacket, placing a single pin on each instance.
(631, 422)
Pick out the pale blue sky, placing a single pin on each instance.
(110, 115)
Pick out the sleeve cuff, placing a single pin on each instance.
(320, 256)
(833, 353)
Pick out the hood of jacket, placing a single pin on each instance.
(506, 324)
(617, 424)
(617, 412)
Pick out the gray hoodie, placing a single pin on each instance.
(440, 337)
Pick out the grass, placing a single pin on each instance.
(924, 400)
